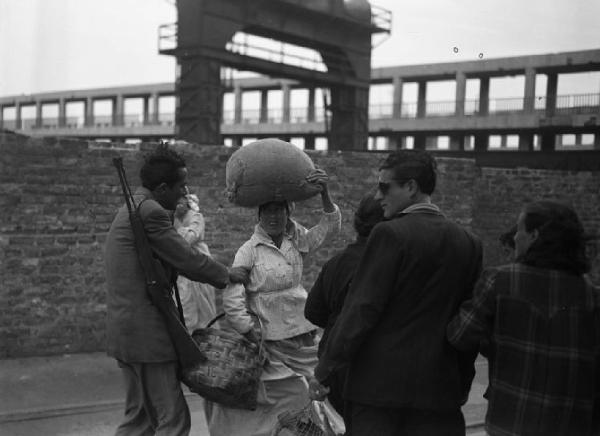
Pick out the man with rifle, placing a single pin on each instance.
(139, 332)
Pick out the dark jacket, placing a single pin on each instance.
(415, 272)
(136, 331)
(326, 298)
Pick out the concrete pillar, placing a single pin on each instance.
(551, 90)
(481, 141)
(155, 108)
(529, 97)
(526, 141)
(396, 141)
(236, 141)
(484, 96)
(548, 141)
(18, 118)
(596, 141)
(397, 98)
(309, 142)
(146, 110)
(422, 99)
(1, 116)
(62, 112)
(285, 90)
(503, 141)
(89, 111)
(38, 114)
(349, 118)
(457, 142)
(263, 116)
(118, 110)
(420, 141)
(578, 140)
(461, 91)
(310, 116)
(237, 92)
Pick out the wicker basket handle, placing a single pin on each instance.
(261, 347)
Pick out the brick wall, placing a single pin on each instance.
(58, 197)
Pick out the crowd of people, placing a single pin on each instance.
(391, 328)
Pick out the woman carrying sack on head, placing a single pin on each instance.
(275, 253)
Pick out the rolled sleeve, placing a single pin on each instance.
(234, 295)
(330, 223)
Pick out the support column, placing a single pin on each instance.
(264, 107)
(311, 105)
(236, 141)
(529, 97)
(548, 141)
(481, 141)
(62, 112)
(156, 108)
(422, 99)
(420, 141)
(397, 99)
(461, 91)
(349, 120)
(484, 97)
(89, 112)
(118, 110)
(1, 116)
(285, 90)
(18, 116)
(237, 92)
(551, 89)
(596, 141)
(38, 114)
(146, 110)
(503, 141)
(457, 142)
(309, 142)
(526, 142)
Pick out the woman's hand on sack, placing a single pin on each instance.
(316, 391)
(239, 274)
(318, 177)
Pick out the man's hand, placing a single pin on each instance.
(316, 391)
(239, 274)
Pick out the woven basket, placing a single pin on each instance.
(231, 372)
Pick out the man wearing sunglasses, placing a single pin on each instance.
(418, 266)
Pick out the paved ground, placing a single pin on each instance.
(73, 395)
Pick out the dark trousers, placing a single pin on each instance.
(367, 420)
(154, 403)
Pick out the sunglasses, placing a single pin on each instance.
(384, 187)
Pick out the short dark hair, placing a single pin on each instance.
(161, 166)
(367, 215)
(418, 165)
(561, 238)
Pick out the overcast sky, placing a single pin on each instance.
(48, 45)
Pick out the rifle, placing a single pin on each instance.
(158, 284)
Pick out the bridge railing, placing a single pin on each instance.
(565, 104)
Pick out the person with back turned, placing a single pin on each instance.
(136, 332)
(541, 318)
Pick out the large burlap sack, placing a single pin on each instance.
(268, 170)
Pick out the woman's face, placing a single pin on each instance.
(273, 218)
(523, 238)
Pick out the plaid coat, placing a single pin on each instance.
(543, 331)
